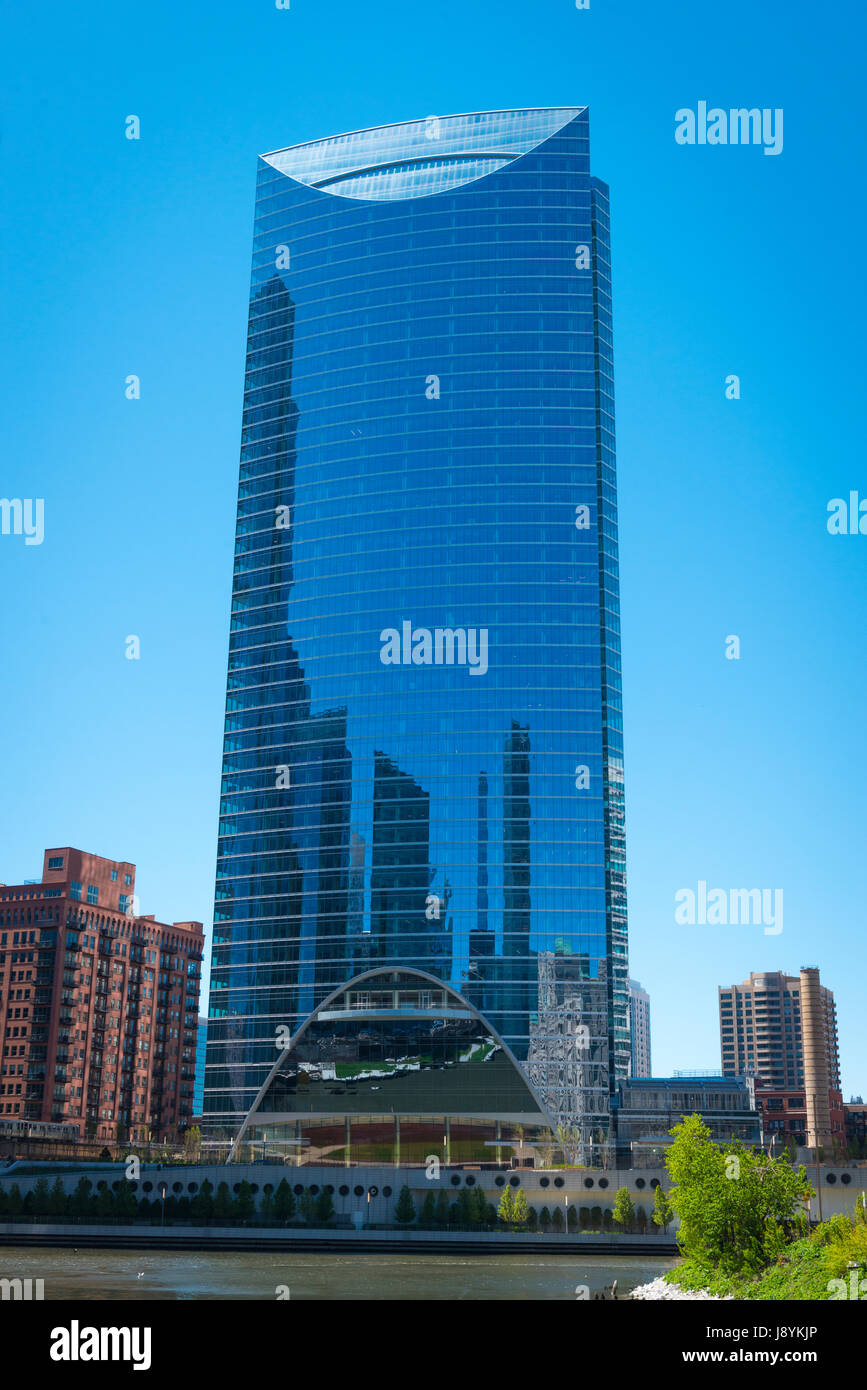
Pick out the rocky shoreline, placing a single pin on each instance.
(658, 1289)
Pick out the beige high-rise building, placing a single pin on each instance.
(639, 1023)
(762, 1028)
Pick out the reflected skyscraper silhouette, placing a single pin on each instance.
(427, 448)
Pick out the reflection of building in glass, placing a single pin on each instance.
(395, 1066)
(639, 1026)
(404, 926)
(568, 1058)
(427, 446)
(517, 993)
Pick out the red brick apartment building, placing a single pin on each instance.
(784, 1113)
(98, 1005)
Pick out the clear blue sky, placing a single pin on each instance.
(133, 257)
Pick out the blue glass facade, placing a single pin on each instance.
(199, 1081)
(423, 750)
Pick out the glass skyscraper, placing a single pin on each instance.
(422, 769)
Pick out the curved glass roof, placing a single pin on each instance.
(395, 1040)
(419, 158)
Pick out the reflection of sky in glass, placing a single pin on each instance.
(429, 394)
(426, 143)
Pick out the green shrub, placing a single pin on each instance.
(404, 1212)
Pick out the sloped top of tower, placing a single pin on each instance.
(418, 158)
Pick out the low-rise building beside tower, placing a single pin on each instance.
(98, 1004)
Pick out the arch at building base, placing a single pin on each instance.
(393, 1066)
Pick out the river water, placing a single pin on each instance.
(147, 1274)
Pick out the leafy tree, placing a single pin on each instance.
(544, 1219)
(125, 1200)
(506, 1206)
(284, 1201)
(192, 1143)
(57, 1201)
(490, 1215)
(584, 1218)
(324, 1210)
(465, 1206)
(735, 1206)
(202, 1205)
(223, 1204)
(572, 1219)
(442, 1214)
(607, 1219)
(624, 1209)
(41, 1197)
(662, 1212)
(144, 1209)
(558, 1220)
(641, 1220)
(307, 1206)
(478, 1213)
(16, 1201)
(404, 1212)
(428, 1208)
(105, 1201)
(532, 1219)
(81, 1198)
(266, 1208)
(520, 1208)
(454, 1214)
(246, 1202)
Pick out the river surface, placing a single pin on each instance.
(147, 1274)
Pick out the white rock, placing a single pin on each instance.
(658, 1289)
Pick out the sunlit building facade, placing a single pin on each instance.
(422, 770)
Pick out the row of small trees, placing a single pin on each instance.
(471, 1208)
(631, 1218)
(467, 1208)
(219, 1205)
